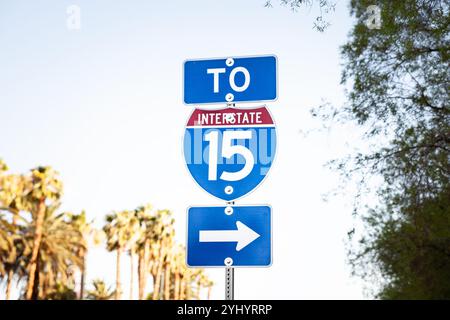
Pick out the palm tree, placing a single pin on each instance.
(48, 249)
(192, 281)
(61, 292)
(120, 230)
(44, 246)
(147, 220)
(165, 232)
(12, 187)
(8, 253)
(177, 268)
(5, 240)
(100, 291)
(12, 193)
(209, 286)
(58, 253)
(79, 222)
(6, 246)
(203, 281)
(43, 188)
(167, 275)
(134, 234)
(185, 289)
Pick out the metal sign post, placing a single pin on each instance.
(229, 271)
(229, 283)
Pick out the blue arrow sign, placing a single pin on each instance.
(230, 80)
(236, 236)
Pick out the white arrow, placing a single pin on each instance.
(243, 236)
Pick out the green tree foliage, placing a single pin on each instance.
(100, 291)
(61, 292)
(28, 205)
(121, 229)
(7, 250)
(43, 189)
(398, 91)
(324, 8)
(84, 231)
(412, 249)
(47, 248)
(58, 254)
(149, 234)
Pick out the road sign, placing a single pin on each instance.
(229, 151)
(233, 236)
(230, 80)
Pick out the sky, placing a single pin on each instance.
(103, 105)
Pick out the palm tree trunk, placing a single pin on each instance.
(11, 271)
(167, 282)
(52, 277)
(157, 282)
(140, 275)
(188, 288)
(143, 270)
(132, 274)
(182, 289)
(118, 287)
(9, 284)
(176, 290)
(209, 293)
(145, 267)
(198, 291)
(43, 287)
(36, 288)
(83, 275)
(161, 286)
(159, 270)
(36, 244)
(154, 283)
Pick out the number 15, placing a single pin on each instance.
(229, 150)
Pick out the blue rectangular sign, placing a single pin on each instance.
(230, 80)
(233, 236)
